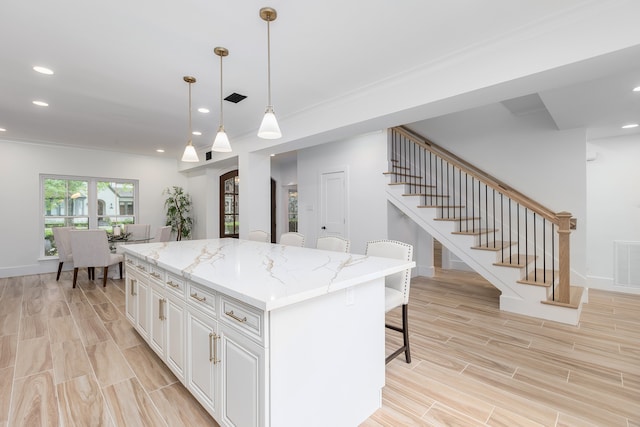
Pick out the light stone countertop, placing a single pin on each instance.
(264, 275)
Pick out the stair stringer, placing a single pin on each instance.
(515, 297)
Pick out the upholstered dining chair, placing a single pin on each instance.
(63, 244)
(91, 249)
(333, 243)
(259, 236)
(138, 231)
(292, 239)
(163, 234)
(397, 287)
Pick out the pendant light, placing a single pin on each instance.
(269, 128)
(190, 154)
(221, 143)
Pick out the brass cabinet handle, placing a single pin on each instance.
(161, 305)
(129, 262)
(195, 296)
(141, 267)
(173, 285)
(133, 283)
(213, 349)
(233, 316)
(154, 274)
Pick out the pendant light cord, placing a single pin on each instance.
(269, 59)
(221, 113)
(190, 130)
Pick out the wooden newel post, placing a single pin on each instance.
(564, 257)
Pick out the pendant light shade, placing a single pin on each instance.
(221, 143)
(269, 128)
(190, 154)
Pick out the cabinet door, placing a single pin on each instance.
(175, 339)
(142, 319)
(242, 379)
(157, 325)
(131, 298)
(202, 377)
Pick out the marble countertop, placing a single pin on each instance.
(265, 275)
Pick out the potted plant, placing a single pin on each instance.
(178, 206)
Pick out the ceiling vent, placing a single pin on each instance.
(235, 98)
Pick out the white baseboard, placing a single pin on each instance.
(607, 284)
(48, 266)
(424, 271)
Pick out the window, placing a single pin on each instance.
(292, 208)
(229, 187)
(84, 202)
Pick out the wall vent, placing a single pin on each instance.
(626, 262)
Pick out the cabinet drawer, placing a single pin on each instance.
(141, 266)
(157, 274)
(176, 284)
(130, 262)
(242, 316)
(202, 297)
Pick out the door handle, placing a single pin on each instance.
(323, 228)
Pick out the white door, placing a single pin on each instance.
(175, 345)
(333, 204)
(142, 325)
(201, 359)
(243, 373)
(158, 324)
(131, 301)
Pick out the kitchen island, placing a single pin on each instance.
(264, 334)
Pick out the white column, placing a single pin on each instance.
(254, 171)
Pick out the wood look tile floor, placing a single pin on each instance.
(69, 357)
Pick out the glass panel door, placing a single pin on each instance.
(229, 198)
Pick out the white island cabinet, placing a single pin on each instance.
(263, 334)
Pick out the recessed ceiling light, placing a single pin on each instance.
(196, 132)
(630, 125)
(3, 130)
(203, 110)
(273, 155)
(40, 103)
(43, 70)
(636, 89)
(160, 150)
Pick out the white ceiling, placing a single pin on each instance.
(119, 64)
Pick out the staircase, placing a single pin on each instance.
(520, 246)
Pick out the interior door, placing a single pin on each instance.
(333, 203)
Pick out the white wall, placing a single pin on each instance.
(404, 229)
(613, 203)
(285, 173)
(367, 211)
(20, 167)
(528, 153)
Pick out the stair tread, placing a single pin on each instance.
(426, 195)
(404, 175)
(496, 245)
(412, 183)
(575, 296)
(516, 261)
(401, 167)
(475, 232)
(539, 278)
(457, 219)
